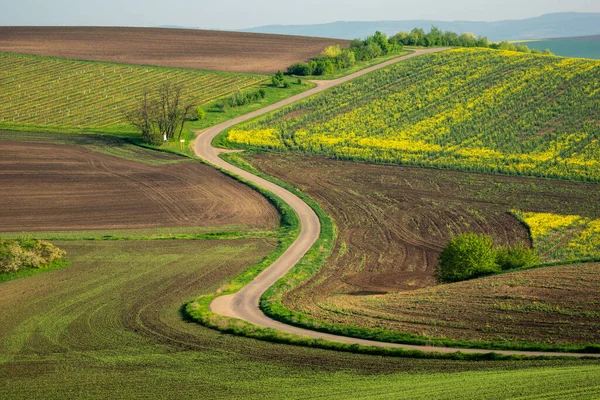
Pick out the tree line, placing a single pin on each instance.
(438, 38)
(334, 58)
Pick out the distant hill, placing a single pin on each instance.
(578, 47)
(546, 26)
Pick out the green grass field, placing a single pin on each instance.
(469, 109)
(109, 326)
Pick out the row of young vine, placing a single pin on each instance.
(57, 92)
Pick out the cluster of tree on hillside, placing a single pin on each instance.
(334, 58)
(436, 37)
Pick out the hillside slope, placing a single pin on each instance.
(68, 93)
(187, 48)
(467, 109)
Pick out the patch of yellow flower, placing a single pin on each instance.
(579, 237)
(541, 224)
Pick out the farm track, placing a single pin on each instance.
(244, 304)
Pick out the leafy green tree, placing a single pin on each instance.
(434, 37)
(278, 79)
(467, 40)
(522, 48)
(332, 51)
(507, 46)
(416, 37)
(466, 256)
(346, 59)
(382, 41)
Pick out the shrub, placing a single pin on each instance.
(323, 66)
(466, 256)
(199, 114)
(300, 69)
(517, 256)
(16, 255)
(221, 106)
(237, 99)
(11, 257)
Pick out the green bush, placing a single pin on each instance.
(517, 256)
(16, 255)
(323, 66)
(300, 69)
(199, 114)
(466, 256)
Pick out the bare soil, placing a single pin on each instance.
(66, 187)
(187, 48)
(393, 222)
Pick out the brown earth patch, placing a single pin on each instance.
(393, 222)
(187, 48)
(65, 187)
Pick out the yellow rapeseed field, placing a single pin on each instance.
(469, 109)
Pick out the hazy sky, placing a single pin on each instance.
(232, 14)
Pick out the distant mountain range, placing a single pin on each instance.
(546, 26)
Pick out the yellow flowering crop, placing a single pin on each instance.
(470, 109)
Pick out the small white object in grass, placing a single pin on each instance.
(182, 140)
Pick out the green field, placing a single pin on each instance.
(578, 47)
(54, 92)
(469, 109)
(109, 326)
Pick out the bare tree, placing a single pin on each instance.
(162, 113)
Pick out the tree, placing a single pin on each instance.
(346, 59)
(163, 113)
(466, 256)
(332, 51)
(381, 40)
(416, 37)
(143, 117)
(434, 37)
(278, 79)
(507, 46)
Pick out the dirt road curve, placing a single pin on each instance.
(244, 304)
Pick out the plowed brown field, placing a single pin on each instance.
(65, 187)
(187, 48)
(393, 222)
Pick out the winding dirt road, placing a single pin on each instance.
(244, 304)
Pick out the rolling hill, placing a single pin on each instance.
(468, 109)
(186, 48)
